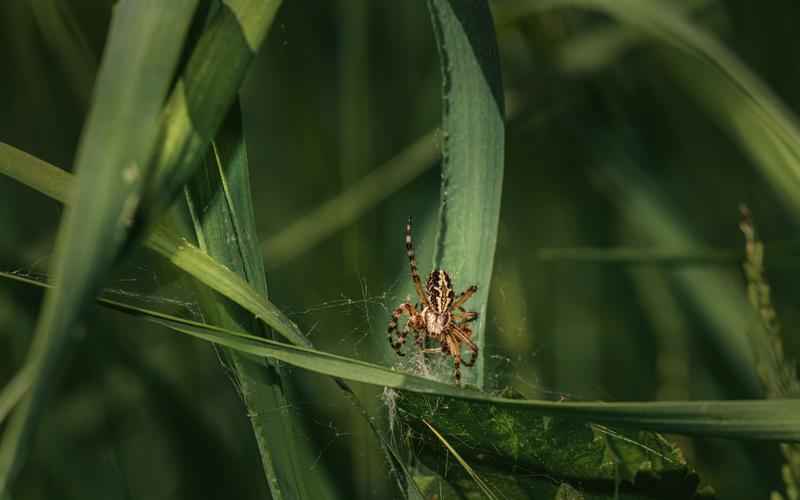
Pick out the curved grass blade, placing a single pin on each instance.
(472, 150)
(138, 64)
(59, 184)
(202, 96)
(740, 101)
(770, 420)
(775, 420)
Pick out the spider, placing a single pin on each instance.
(442, 318)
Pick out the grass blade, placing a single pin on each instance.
(220, 191)
(203, 94)
(118, 138)
(58, 184)
(472, 150)
(771, 420)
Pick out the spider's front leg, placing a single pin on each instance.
(404, 308)
(454, 347)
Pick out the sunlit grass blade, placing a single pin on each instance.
(739, 100)
(140, 57)
(473, 134)
(59, 184)
(203, 94)
(30, 171)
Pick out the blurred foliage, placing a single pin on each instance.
(340, 88)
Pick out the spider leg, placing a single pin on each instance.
(412, 259)
(462, 316)
(392, 330)
(419, 340)
(464, 334)
(456, 352)
(464, 296)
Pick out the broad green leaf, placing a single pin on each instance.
(499, 441)
(718, 80)
(139, 60)
(473, 135)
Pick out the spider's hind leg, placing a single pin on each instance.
(463, 316)
(464, 334)
(401, 334)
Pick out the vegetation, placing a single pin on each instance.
(202, 312)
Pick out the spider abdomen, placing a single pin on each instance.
(436, 323)
(440, 290)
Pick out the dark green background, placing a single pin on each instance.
(337, 89)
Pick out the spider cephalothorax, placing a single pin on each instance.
(441, 319)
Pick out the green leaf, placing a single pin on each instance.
(139, 60)
(771, 420)
(740, 101)
(503, 440)
(473, 150)
(776, 420)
